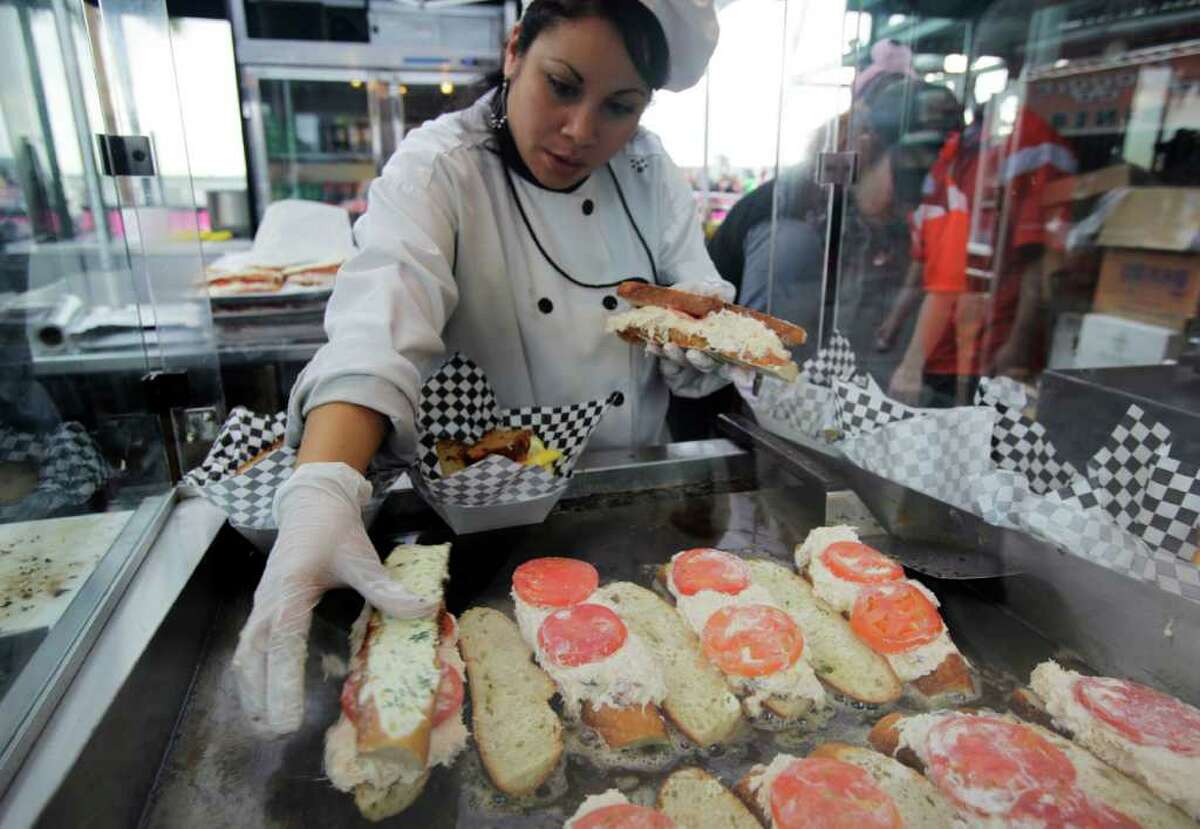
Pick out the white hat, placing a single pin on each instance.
(691, 29)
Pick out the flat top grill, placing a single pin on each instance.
(216, 774)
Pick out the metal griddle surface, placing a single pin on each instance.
(217, 774)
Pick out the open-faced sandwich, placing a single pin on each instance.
(744, 631)
(518, 445)
(612, 810)
(895, 616)
(843, 785)
(727, 332)
(1000, 771)
(402, 701)
(1150, 736)
(606, 675)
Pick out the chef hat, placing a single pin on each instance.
(691, 29)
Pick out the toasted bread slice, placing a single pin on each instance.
(695, 799)
(838, 657)
(518, 734)
(698, 701)
(918, 801)
(1094, 778)
(785, 369)
(951, 683)
(632, 727)
(380, 804)
(1172, 775)
(391, 708)
(638, 294)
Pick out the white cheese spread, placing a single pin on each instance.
(923, 659)
(764, 778)
(724, 331)
(817, 540)
(797, 681)
(630, 677)
(1173, 776)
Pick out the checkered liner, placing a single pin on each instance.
(70, 469)
(248, 498)
(458, 403)
(244, 435)
(1171, 509)
(1120, 471)
(1019, 443)
(836, 361)
(865, 410)
(938, 453)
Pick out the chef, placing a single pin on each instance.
(500, 231)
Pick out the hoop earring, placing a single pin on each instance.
(499, 116)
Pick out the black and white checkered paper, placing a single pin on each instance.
(1019, 443)
(805, 409)
(248, 497)
(69, 465)
(458, 403)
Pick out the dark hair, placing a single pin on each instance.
(639, 29)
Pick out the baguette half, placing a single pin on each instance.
(1094, 778)
(694, 799)
(639, 294)
(518, 734)
(839, 658)
(698, 701)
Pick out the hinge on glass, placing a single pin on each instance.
(126, 155)
(837, 168)
(165, 391)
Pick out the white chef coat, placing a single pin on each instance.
(446, 264)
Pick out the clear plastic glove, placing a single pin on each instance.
(692, 373)
(322, 544)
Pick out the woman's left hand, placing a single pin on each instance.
(692, 373)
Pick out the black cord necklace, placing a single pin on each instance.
(528, 226)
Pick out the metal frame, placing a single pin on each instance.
(28, 704)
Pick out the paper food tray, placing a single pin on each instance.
(458, 403)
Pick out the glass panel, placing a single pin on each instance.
(318, 140)
(102, 283)
(77, 452)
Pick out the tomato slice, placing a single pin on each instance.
(624, 816)
(985, 763)
(895, 617)
(449, 695)
(1143, 715)
(581, 634)
(752, 640)
(707, 569)
(856, 562)
(555, 582)
(823, 793)
(1065, 807)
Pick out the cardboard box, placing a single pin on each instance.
(1151, 265)
(1106, 341)
(1088, 185)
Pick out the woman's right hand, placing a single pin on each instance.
(322, 544)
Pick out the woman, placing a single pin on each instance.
(500, 231)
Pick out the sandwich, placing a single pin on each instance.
(606, 675)
(252, 279)
(1150, 736)
(312, 274)
(758, 646)
(520, 738)
(693, 798)
(999, 771)
(521, 446)
(612, 810)
(895, 616)
(697, 701)
(727, 332)
(245, 465)
(402, 700)
(843, 785)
